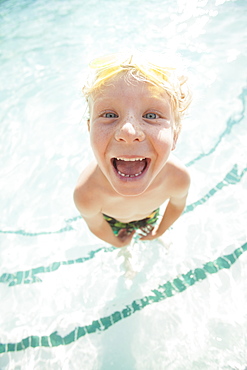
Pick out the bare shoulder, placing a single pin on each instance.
(179, 177)
(85, 193)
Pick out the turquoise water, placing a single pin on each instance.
(68, 300)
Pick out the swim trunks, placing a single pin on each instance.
(133, 225)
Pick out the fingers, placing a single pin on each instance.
(146, 230)
(125, 234)
(149, 232)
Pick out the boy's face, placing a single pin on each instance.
(131, 131)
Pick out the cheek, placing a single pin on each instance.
(164, 138)
(95, 140)
(98, 138)
(163, 145)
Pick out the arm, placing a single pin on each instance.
(100, 227)
(173, 211)
(174, 207)
(93, 216)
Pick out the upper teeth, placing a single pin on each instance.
(130, 159)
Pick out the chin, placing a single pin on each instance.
(128, 188)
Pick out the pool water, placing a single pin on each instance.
(69, 300)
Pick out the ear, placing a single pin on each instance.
(88, 124)
(175, 138)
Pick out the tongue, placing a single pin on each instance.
(130, 167)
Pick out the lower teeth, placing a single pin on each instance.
(135, 175)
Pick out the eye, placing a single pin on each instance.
(151, 116)
(110, 115)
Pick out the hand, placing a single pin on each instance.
(125, 237)
(149, 232)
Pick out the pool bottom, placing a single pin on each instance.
(162, 292)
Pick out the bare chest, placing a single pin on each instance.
(127, 209)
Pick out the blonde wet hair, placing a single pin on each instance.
(160, 74)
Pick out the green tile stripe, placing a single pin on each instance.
(29, 233)
(167, 290)
(232, 178)
(29, 276)
(233, 120)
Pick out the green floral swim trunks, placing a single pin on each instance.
(133, 225)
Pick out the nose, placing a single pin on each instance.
(129, 130)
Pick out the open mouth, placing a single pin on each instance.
(130, 167)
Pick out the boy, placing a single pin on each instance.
(135, 112)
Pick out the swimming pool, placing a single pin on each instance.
(68, 300)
